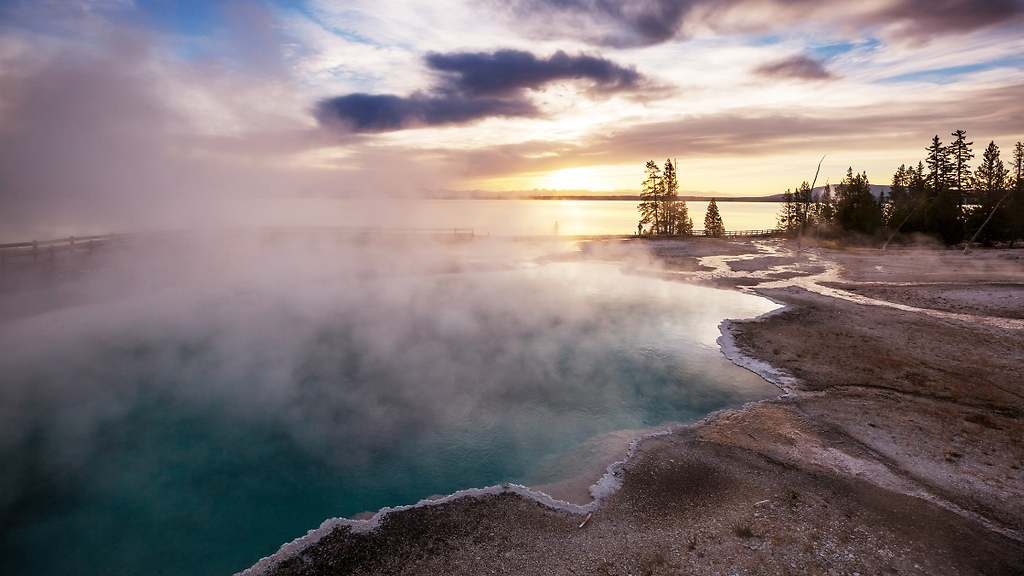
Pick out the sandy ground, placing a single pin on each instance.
(897, 451)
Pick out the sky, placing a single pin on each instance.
(122, 102)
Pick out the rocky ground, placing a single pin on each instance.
(898, 451)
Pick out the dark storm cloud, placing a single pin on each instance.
(385, 112)
(799, 67)
(507, 71)
(476, 85)
(646, 22)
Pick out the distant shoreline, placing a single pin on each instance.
(612, 197)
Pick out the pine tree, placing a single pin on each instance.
(944, 214)
(992, 180)
(856, 208)
(899, 199)
(787, 218)
(1018, 164)
(713, 225)
(803, 196)
(669, 197)
(650, 195)
(684, 224)
(825, 209)
(991, 175)
(917, 191)
(1016, 201)
(960, 153)
(677, 218)
(938, 165)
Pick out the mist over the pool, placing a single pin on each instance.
(177, 392)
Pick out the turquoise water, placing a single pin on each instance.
(194, 429)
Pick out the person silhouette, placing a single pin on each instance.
(639, 229)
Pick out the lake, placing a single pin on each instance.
(196, 409)
(484, 217)
(502, 217)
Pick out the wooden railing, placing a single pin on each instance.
(745, 233)
(36, 249)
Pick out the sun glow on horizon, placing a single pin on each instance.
(591, 178)
(580, 178)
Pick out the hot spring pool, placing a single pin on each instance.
(193, 429)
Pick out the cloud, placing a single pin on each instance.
(800, 67)
(994, 113)
(476, 85)
(650, 22)
(386, 112)
(922, 19)
(507, 71)
(122, 137)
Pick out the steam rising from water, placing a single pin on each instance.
(208, 400)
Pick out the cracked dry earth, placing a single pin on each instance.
(898, 451)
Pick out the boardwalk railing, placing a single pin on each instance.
(745, 233)
(36, 249)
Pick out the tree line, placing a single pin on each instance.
(663, 212)
(941, 196)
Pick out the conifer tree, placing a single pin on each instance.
(991, 219)
(856, 208)
(1018, 164)
(899, 206)
(944, 214)
(787, 218)
(804, 199)
(669, 199)
(713, 224)
(1016, 207)
(677, 218)
(938, 165)
(960, 153)
(991, 175)
(650, 196)
(825, 208)
(917, 192)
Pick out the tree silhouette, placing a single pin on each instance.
(991, 218)
(661, 209)
(960, 155)
(824, 208)
(677, 218)
(917, 191)
(938, 165)
(1016, 207)
(788, 218)
(713, 225)
(803, 196)
(944, 214)
(650, 198)
(1018, 163)
(856, 208)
